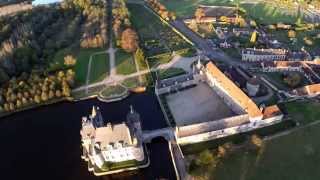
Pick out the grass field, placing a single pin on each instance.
(159, 59)
(155, 36)
(294, 156)
(304, 112)
(171, 72)
(125, 63)
(82, 56)
(188, 7)
(265, 13)
(277, 79)
(110, 91)
(99, 68)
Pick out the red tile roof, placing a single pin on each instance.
(271, 111)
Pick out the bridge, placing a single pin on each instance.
(167, 133)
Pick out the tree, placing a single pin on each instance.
(129, 40)
(205, 158)
(140, 58)
(18, 103)
(69, 60)
(44, 96)
(12, 106)
(253, 38)
(24, 101)
(256, 141)
(58, 93)
(291, 34)
(37, 99)
(293, 79)
(199, 14)
(51, 94)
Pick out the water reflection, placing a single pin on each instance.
(45, 143)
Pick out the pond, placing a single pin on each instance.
(44, 143)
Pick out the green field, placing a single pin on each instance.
(171, 72)
(264, 13)
(277, 79)
(82, 56)
(188, 7)
(159, 59)
(125, 63)
(99, 68)
(155, 36)
(111, 91)
(294, 156)
(304, 112)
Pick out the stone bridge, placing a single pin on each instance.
(167, 133)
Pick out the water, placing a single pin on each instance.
(44, 143)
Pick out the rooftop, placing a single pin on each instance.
(234, 91)
(271, 111)
(255, 51)
(312, 89)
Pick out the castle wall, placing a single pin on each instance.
(228, 131)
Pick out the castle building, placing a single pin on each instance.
(210, 84)
(111, 143)
(254, 55)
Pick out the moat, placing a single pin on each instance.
(44, 143)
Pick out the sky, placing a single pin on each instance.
(37, 2)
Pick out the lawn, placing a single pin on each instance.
(155, 37)
(111, 91)
(82, 56)
(171, 72)
(303, 112)
(187, 7)
(159, 59)
(125, 63)
(265, 13)
(277, 79)
(133, 82)
(294, 156)
(269, 14)
(100, 67)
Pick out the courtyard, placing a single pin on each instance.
(196, 105)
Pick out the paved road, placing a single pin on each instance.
(204, 46)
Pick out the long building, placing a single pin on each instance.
(256, 55)
(245, 115)
(107, 145)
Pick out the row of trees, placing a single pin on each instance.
(161, 10)
(30, 39)
(127, 37)
(35, 88)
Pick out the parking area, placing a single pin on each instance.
(196, 105)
